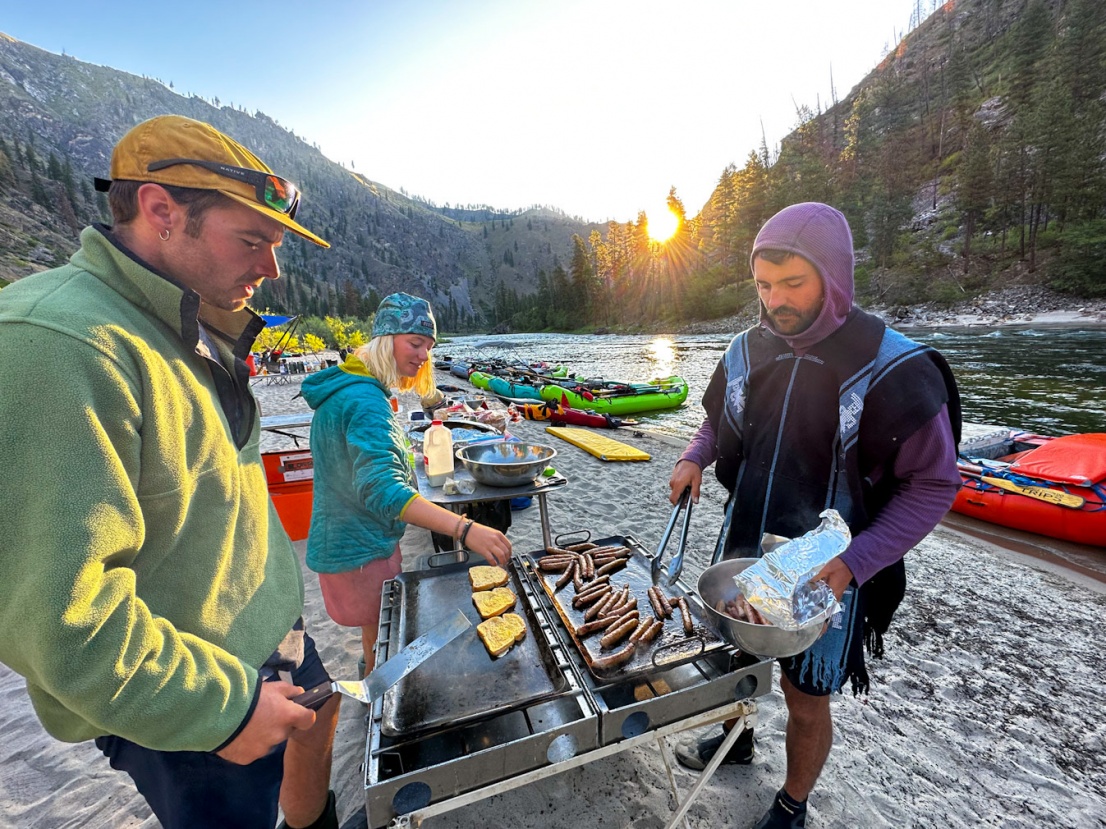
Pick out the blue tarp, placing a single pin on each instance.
(272, 319)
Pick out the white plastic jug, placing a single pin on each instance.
(437, 446)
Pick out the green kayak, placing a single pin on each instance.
(634, 398)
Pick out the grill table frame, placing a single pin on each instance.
(452, 768)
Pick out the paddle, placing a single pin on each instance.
(1052, 496)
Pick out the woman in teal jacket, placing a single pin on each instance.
(365, 492)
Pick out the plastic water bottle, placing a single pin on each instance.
(437, 445)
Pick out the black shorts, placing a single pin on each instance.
(200, 788)
(836, 656)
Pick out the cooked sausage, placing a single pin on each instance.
(588, 628)
(685, 613)
(614, 621)
(596, 609)
(596, 582)
(558, 551)
(611, 566)
(623, 596)
(641, 628)
(553, 565)
(589, 567)
(653, 630)
(565, 578)
(605, 663)
(608, 553)
(594, 587)
(578, 575)
(666, 603)
(655, 601)
(617, 634)
(606, 549)
(623, 607)
(582, 547)
(591, 597)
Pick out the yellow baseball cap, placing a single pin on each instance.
(182, 152)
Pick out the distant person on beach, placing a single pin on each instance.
(821, 406)
(365, 489)
(151, 598)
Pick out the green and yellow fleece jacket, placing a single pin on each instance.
(145, 574)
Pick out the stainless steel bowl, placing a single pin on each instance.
(716, 584)
(505, 462)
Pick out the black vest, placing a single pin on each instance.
(799, 435)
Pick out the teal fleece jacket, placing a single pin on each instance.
(145, 575)
(364, 480)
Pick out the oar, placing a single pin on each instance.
(1052, 496)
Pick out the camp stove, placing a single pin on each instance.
(464, 727)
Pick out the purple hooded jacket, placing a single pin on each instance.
(926, 462)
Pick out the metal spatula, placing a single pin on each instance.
(385, 676)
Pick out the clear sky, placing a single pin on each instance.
(593, 106)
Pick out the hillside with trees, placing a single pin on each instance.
(972, 157)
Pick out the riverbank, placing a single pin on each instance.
(1016, 306)
(977, 716)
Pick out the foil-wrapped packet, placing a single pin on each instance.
(779, 584)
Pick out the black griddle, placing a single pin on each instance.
(673, 647)
(463, 682)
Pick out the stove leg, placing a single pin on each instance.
(708, 772)
(662, 746)
(546, 534)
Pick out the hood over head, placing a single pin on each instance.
(820, 234)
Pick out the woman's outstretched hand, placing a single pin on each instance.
(491, 544)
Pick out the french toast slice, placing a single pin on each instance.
(494, 602)
(500, 633)
(484, 577)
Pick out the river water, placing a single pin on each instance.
(1050, 381)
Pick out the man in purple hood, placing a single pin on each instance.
(821, 406)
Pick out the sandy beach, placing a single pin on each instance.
(986, 711)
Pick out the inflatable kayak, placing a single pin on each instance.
(621, 399)
(556, 413)
(509, 388)
(480, 379)
(1044, 485)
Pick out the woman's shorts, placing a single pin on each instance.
(352, 598)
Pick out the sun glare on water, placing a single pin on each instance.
(662, 225)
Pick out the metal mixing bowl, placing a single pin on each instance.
(717, 584)
(505, 462)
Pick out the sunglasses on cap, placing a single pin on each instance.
(272, 190)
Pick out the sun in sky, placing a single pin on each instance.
(662, 225)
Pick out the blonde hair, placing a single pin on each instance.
(378, 355)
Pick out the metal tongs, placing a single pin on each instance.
(676, 566)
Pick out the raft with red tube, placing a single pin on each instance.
(1053, 486)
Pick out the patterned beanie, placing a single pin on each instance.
(405, 314)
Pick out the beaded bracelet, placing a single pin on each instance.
(457, 530)
(464, 535)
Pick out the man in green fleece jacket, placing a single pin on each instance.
(151, 597)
